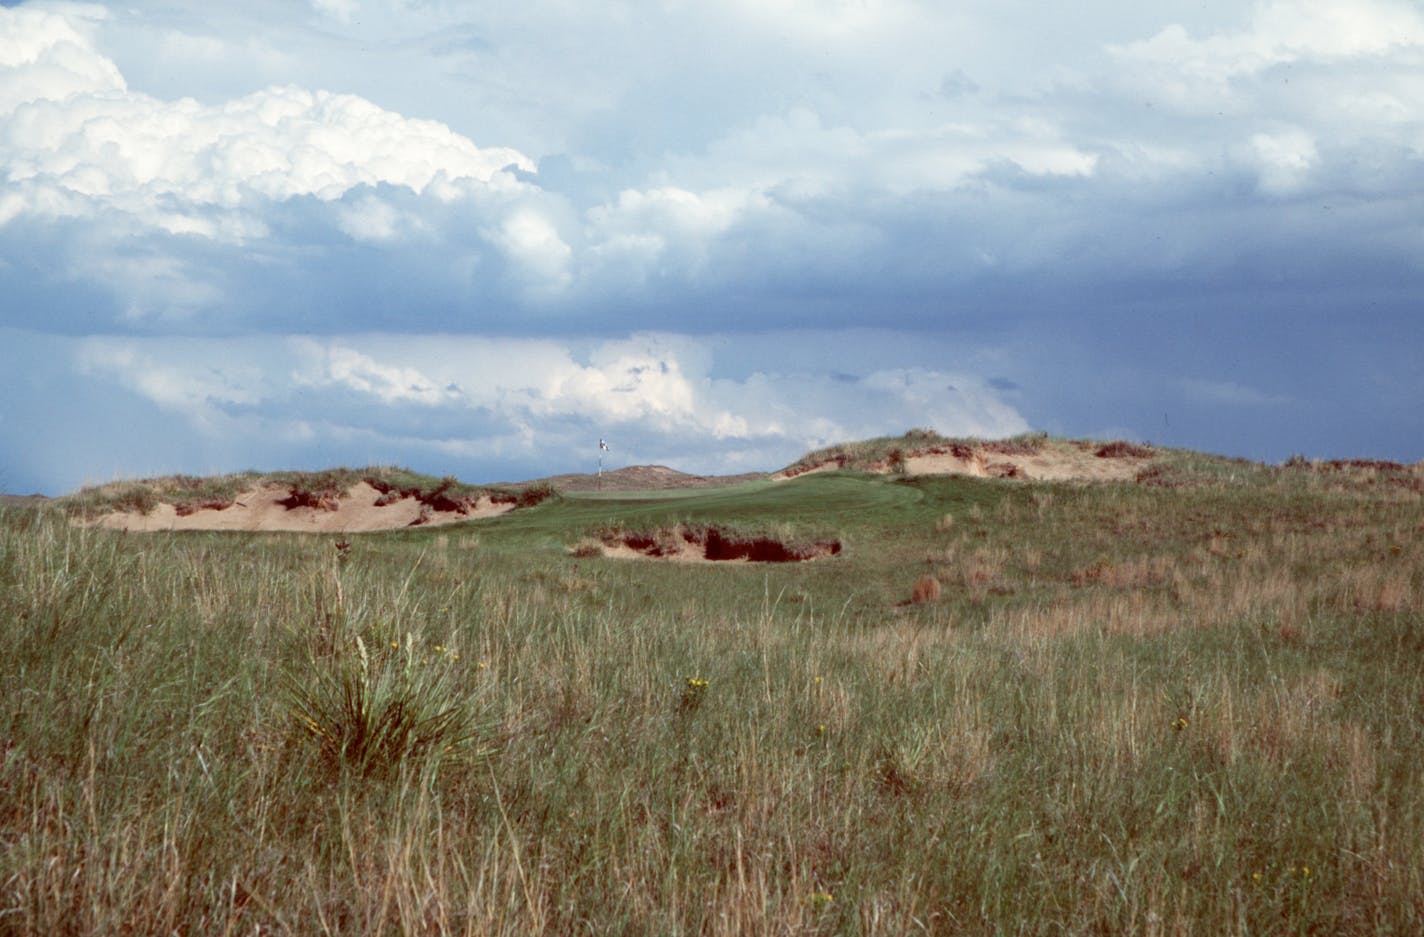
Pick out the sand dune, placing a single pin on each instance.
(263, 508)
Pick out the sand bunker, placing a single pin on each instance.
(272, 508)
(711, 545)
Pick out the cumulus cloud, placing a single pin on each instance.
(531, 239)
(1283, 31)
(1345, 70)
(51, 56)
(76, 137)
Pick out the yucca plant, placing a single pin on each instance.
(374, 710)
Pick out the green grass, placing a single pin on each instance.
(1135, 709)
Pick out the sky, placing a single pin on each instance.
(474, 238)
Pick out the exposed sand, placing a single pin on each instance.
(686, 553)
(262, 509)
(680, 545)
(1054, 465)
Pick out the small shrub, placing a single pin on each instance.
(320, 490)
(1163, 476)
(536, 493)
(185, 508)
(927, 589)
(138, 499)
(892, 776)
(1025, 444)
(896, 459)
(1123, 450)
(586, 548)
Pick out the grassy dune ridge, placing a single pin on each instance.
(189, 493)
(1194, 708)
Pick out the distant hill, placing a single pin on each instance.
(22, 500)
(644, 478)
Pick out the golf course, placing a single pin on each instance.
(911, 685)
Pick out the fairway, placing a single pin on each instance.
(820, 502)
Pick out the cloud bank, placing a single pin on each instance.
(1086, 223)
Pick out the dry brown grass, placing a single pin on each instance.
(1125, 704)
(927, 589)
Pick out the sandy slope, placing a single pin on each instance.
(686, 553)
(262, 509)
(1059, 465)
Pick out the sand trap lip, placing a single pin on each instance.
(265, 508)
(712, 545)
(1077, 461)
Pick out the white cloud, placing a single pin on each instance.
(1285, 160)
(192, 385)
(799, 155)
(156, 287)
(45, 55)
(532, 241)
(851, 21)
(1289, 29)
(1201, 70)
(342, 10)
(658, 394)
(76, 139)
(665, 230)
(334, 364)
(374, 220)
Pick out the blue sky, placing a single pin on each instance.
(475, 238)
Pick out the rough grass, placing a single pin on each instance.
(1132, 709)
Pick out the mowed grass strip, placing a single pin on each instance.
(1130, 709)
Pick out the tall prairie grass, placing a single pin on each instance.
(1131, 710)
